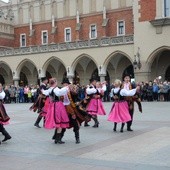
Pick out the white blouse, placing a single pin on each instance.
(92, 90)
(2, 95)
(58, 92)
(125, 92)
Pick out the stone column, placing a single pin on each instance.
(16, 81)
(70, 77)
(102, 77)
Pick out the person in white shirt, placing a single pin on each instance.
(4, 118)
(95, 107)
(56, 117)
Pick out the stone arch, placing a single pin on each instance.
(114, 54)
(5, 73)
(116, 64)
(75, 62)
(83, 67)
(54, 67)
(158, 62)
(152, 56)
(27, 70)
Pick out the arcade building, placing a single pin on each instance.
(81, 39)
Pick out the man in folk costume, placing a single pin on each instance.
(69, 100)
(128, 86)
(40, 102)
(95, 106)
(4, 118)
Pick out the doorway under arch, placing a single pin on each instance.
(2, 81)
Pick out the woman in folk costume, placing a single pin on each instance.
(95, 106)
(56, 116)
(120, 111)
(130, 99)
(41, 103)
(4, 118)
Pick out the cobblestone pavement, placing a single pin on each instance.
(146, 148)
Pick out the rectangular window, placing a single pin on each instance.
(67, 34)
(167, 8)
(22, 40)
(44, 37)
(121, 28)
(93, 32)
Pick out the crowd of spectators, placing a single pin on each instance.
(149, 91)
(21, 94)
(155, 91)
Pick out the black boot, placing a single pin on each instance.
(62, 133)
(96, 123)
(129, 129)
(121, 130)
(58, 139)
(54, 136)
(6, 134)
(115, 126)
(38, 121)
(86, 124)
(77, 137)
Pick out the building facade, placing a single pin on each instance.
(81, 39)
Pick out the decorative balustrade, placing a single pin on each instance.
(107, 41)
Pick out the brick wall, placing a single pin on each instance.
(109, 31)
(147, 10)
(6, 42)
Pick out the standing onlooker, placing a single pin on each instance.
(21, 95)
(12, 92)
(29, 95)
(33, 93)
(155, 91)
(7, 95)
(17, 94)
(26, 89)
(150, 92)
(165, 90)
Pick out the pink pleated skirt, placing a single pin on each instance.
(119, 112)
(56, 116)
(95, 107)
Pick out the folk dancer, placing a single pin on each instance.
(76, 117)
(40, 103)
(95, 106)
(130, 99)
(56, 116)
(119, 112)
(4, 118)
